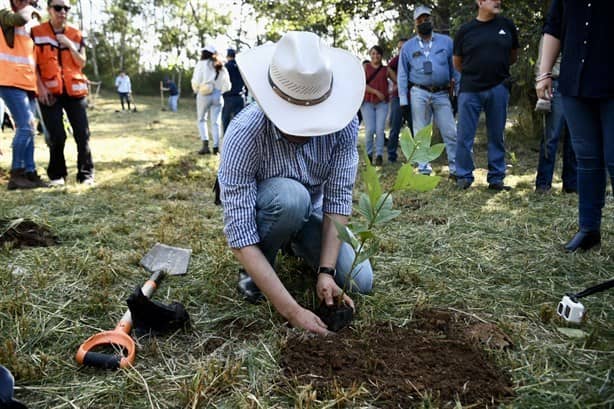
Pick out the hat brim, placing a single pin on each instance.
(330, 115)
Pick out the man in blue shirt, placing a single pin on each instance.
(288, 169)
(427, 72)
(173, 93)
(233, 99)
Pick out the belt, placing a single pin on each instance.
(432, 89)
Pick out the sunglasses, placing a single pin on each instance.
(59, 8)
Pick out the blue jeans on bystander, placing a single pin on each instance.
(556, 127)
(374, 116)
(21, 105)
(494, 103)
(591, 122)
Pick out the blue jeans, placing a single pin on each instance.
(233, 104)
(208, 110)
(284, 214)
(172, 102)
(395, 128)
(374, 116)
(21, 105)
(591, 123)
(494, 103)
(124, 96)
(426, 106)
(554, 128)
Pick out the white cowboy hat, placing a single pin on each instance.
(305, 87)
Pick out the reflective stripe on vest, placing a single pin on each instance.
(40, 40)
(79, 87)
(17, 64)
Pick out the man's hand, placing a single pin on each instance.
(45, 97)
(62, 39)
(307, 320)
(406, 113)
(327, 289)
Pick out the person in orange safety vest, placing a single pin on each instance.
(18, 89)
(60, 58)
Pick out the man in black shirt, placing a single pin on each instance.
(233, 99)
(484, 49)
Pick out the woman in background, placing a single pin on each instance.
(209, 81)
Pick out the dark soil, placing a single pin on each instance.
(337, 316)
(438, 355)
(26, 233)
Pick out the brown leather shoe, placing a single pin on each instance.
(18, 180)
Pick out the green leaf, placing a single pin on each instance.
(385, 215)
(371, 179)
(572, 332)
(436, 151)
(364, 206)
(368, 252)
(344, 233)
(407, 143)
(423, 183)
(424, 135)
(365, 235)
(403, 177)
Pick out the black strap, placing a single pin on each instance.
(595, 289)
(374, 74)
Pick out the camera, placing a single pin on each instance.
(570, 310)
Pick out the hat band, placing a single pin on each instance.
(301, 102)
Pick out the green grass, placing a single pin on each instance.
(495, 256)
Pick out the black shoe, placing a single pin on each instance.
(248, 289)
(205, 149)
(570, 190)
(463, 184)
(215, 150)
(34, 178)
(499, 187)
(452, 177)
(379, 161)
(584, 240)
(542, 190)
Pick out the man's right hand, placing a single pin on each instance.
(406, 114)
(307, 320)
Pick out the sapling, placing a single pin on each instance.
(376, 209)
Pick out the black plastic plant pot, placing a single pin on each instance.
(336, 316)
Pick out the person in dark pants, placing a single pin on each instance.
(555, 129)
(233, 99)
(484, 50)
(63, 87)
(396, 119)
(580, 30)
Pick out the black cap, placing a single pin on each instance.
(230, 52)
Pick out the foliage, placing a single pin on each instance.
(375, 205)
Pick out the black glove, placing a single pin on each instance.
(405, 114)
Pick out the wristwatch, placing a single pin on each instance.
(327, 270)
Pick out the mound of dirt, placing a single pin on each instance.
(436, 355)
(26, 233)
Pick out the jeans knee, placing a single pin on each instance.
(284, 200)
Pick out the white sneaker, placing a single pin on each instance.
(425, 169)
(56, 182)
(88, 182)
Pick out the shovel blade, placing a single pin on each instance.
(171, 260)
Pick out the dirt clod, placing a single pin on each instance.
(433, 356)
(26, 233)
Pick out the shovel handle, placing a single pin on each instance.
(118, 338)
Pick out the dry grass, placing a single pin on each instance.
(496, 256)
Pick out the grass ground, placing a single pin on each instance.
(496, 256)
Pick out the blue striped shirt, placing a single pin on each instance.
(254, 150)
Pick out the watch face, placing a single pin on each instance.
(327, 270)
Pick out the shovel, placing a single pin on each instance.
(160, 260)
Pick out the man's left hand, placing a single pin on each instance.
(327, 289)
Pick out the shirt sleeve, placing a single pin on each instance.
(340, 183)
(237, 178)
(554, 20)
